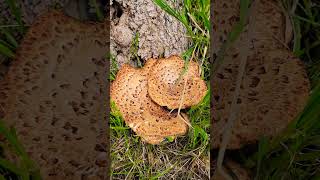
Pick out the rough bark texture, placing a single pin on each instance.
(159, 33)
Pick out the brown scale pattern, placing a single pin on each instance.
(225, 16)
(166, 85)
(149, 120)
(274, 88)
(55, 93)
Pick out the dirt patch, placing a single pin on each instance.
(159, 33)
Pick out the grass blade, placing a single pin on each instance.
(15, 10)
(27, 164)
(167, 8)
(4, 50)
(97, 10)
(234, 34)
(4, 43)
(9, 166)
(10, 38)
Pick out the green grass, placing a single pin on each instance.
(8, 42)
(113, 67)
(16, 12)
(195, 16)
(185, 157)
(134, 47)
(295, 152)
(98, 11)
(233, 35)
(173, 158)
(305, 16)
(25, 168)
(231, 38)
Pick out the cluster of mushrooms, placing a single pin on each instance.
(146, 97)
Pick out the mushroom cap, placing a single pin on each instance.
(55, 96)
(269, 21)
(147, 119)
(274, 88)
(166, 85)
(3, 97)
(273, 92)
(226, 15)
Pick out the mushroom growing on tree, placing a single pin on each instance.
(147, 119)
(54, 96)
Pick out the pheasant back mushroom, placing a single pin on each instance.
(169, 85)
(274, 87)
(55, 92)
(149, 120)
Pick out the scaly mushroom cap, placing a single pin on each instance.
(226, 15)
(274, 88)
(3, 97)
(167, 83)
(273, 92)
(55, 93)
(149, 120)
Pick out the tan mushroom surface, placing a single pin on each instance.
(234, 170)
(3, 97)
(55, 94)
(148, 120)
(169, 85)
(274, 87)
